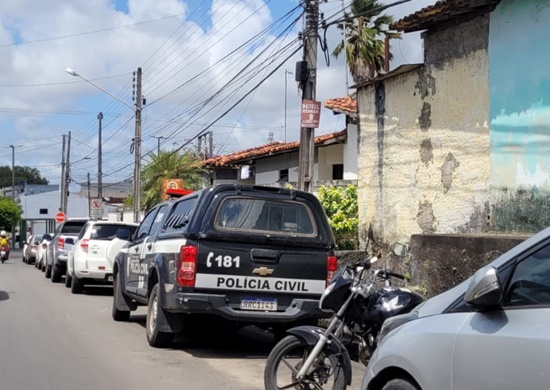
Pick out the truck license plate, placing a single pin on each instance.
(263, 304)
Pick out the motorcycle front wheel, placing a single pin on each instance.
(286, 359)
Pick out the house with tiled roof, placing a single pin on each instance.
(276, 163)
(458, 144)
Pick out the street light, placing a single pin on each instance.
(137, 136)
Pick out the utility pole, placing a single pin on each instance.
(158, 142)
(99, 169)
(89, 203)
(211, 144)
(286, 74)
(63, 169)
(67, 176)
(137, 149)
(307, 134)
(345, 50)
(13, 188)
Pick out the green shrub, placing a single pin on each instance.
(340, 205)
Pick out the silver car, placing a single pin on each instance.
(492, 332)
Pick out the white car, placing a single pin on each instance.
(90, 261)
(42, 247)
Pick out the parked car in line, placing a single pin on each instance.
(30, 248)
(488, 333)
(56, 259)
(88, 262)
(42, 249)
(244, 254)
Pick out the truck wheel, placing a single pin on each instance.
(68, 278)
(76, 285)
(154, 337)
(118, 315)
(55, 274)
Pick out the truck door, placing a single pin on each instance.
(148, 250)
(136, 274)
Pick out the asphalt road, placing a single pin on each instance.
(51, 339)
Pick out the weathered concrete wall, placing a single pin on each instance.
(438, 262)
(424, 162)
(520, 115)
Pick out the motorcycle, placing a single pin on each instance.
(316, 357)
(3, 253)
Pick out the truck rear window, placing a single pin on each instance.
(265, 216)
(73, 227)
(108, 232)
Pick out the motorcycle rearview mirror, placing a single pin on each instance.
(399, 249)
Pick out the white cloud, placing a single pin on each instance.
(536, 116)
(171, 51)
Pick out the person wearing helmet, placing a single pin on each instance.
(4, 242)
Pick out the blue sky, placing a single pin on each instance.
(174, 42)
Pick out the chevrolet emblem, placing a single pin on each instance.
(262, 271)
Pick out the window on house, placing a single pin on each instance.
(338, 172)
(43, 211)
(283, 175)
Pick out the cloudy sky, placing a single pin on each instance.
(199, 58)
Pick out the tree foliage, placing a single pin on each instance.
(30, 175)
(168, 165)
(366, 30)
(340, 205)
(10, 213)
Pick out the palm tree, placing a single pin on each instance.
(366, 30)
(169, 165)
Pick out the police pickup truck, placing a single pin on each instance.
(246, 254)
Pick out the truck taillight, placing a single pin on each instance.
(61, 242)
(187, 266)
(332, 267)
(84, 244)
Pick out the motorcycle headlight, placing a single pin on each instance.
(394, 323)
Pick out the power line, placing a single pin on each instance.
(90, 32)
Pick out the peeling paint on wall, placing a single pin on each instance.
(426, 218)
(479, 221)
(425, 118)
(447, 170)
(407, 197)
(426, 151)
(425, 85)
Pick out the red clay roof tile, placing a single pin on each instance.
(345, 104)
(267, 150)
(442, 11)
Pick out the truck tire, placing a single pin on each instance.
(154, 337)
(47, 271)
(76, 285)
(118, 315)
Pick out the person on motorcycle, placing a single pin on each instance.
(4, 242)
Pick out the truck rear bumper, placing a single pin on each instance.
(192, 303)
